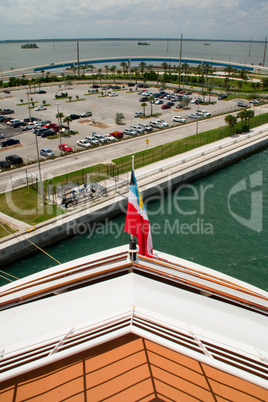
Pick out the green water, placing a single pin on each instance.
(219, 221)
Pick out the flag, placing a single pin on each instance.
(137, 222)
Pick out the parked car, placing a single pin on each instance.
(130, 131)
(65, 148)
(222, 97)
(75, 116)
(147, 127)
(10, 141)
(143, 99)
(179, 119)
(255, 102)
(131, 84)
(2, 135)
(19, 124)
(4, 165)
(117, 134)
(100, 137)
(138, 128)
(6, 91)
(86, 114)
(51, 126)
(166, 106)
(163, 122)
(39, 130)
(93, 140)
(113, 94)
(61, 95)
(47, 133)
(109, 137)
(83, 143)
(204, 113)
(7, 111)
(154, 124)
(193, 116)
(31, 119)
(14, 159)
(242, 104)
(38, 108)
(95, 86)
(46, 152)
(158, 102)
(29, 126)
(12, 121)
(179, 106)
(41, 91)
(138, 114)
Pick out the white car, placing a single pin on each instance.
(109, 137)
(205, 113)
(138, 128)
(13, 121)
(179, 119)
(38, 108)
(163, 122)
(93, 140)
(113, 94)
(100, 137)
(156, 124)
(146, 127)
(83, 143)
(130, 131)
(193, 116)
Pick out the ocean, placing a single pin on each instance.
(219, 221)
(13, 57)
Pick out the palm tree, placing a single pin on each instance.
(112, 69)
(250, 115)
(143, 105)
(124, 66)
(231, 120)
(67, 119)
(107, 68)
(60, 116)
(142, 66)
(209, 89)
(99, 71)
(136, 74)
(151, 100)
(243, 116)
(165, 66)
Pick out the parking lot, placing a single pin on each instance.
(102, 121)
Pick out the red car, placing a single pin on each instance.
(166, 106)
(65, 148)
(52, 126)
(117, 134)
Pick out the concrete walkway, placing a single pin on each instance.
(13, 223)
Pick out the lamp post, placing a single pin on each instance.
(29, 109)
(39, 171)
(197, 115)
(57, 104)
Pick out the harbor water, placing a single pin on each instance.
(12, 56)
(219, 221)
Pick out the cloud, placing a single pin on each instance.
(216, 19)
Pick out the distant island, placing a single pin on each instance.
(30, 46)
(143, 44)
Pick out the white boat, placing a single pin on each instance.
(107, 327)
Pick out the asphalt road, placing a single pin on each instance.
(103, 110)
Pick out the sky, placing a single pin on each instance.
(197, 19)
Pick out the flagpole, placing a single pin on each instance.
(133, 164)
